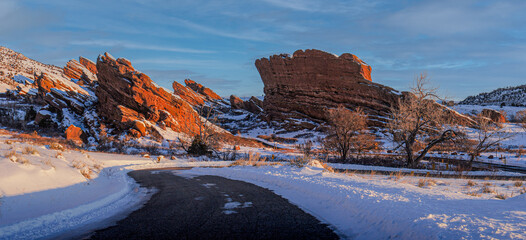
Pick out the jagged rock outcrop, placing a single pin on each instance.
(494, 115)
(76, 70)
(253, 105)
(90, 65)
(308, 83)
(188, 94)
(126, 96)
(207, 92)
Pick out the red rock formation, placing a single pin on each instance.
(88, 64)
(75, 134)
(211, 95)
(126, 96)
(312, 81)
(188, 94)
(76, 70)
(494, 115)
(308, 83)
(253, 105)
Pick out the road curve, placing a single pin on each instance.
(211, 207)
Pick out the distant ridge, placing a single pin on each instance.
(509, 96)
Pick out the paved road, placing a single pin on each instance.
(211, 207)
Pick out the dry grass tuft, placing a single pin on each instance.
(518, 184)
(254, 159)
(30, 151)
(47, 162)
(56, 146)
(78, 164)
(471, 183)
(86, 172)
(426, 183)
(501, 196)
(486, 189)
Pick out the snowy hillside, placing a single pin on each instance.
(510, 96)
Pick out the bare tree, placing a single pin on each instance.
(487, 135)
(204, 137)
(344, 126)
(417, 123)
(520, 118)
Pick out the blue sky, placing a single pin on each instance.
(465, 46)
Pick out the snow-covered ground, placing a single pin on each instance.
(383, 207)
(47, 192)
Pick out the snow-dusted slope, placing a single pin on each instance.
(510, 96)
(15, 66)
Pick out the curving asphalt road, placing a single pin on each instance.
(211, 207)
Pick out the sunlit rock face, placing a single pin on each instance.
(127, 96)
(310, 82)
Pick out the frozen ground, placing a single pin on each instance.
(49, 192)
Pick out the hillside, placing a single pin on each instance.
(510, 96)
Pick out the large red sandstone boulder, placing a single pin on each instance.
(211, 95)
(310, 82)
(126, 96)
(75, 134)
(494, 115)
(188, 94)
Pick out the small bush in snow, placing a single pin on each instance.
(487, 189)
(471, 183)
(501, 196)
(517, 184)
(86, 172)
(56, 146)
(30, 150)
(47, 162)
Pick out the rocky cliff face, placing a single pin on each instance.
(309, 82)
(127, 96)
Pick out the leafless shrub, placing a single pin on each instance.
(205, 139)
(488, 136)
(347, 132)
(517, 184)
(305, 148)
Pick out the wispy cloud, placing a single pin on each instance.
(132, 45)
(323, 6)
(253, 34)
